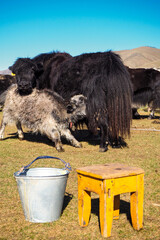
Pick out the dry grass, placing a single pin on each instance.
(143, 151)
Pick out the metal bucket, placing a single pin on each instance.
(42, 191)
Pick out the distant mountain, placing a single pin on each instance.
(5, 72)
(142, 57)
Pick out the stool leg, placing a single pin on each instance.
(84, 207)
(116, 207)
(136, 205)
(106, 209)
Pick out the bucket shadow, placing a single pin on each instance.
(67, 198)
(124, 209)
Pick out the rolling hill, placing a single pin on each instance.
(142, 57)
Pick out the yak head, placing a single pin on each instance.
(27, 72)
(77, 108)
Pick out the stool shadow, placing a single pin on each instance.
(67, 198)
(124, 208)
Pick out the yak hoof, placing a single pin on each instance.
(151, 117)
(60, 149)
(116, 146)
(20, 138)
(78, 145)
(103, 149)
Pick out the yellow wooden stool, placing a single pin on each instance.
(109, 181)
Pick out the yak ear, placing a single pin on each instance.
(11, 68)
(83, 99)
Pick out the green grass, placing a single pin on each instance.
(143, 151)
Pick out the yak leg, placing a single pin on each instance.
(67, 134)
(2, 128)
(151, 115)
(104, 139)
(151, 110)
(19, 131)
(116, 143)
(55, 137)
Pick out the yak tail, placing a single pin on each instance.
(118, 97)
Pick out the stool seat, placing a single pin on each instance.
(109, 170)
(109, 181)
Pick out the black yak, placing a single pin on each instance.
(146, 88)
(43, 111)
(101, 77)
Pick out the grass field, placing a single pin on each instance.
(143, 151)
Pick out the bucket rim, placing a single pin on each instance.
(22, 174)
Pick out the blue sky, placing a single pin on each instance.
(28, 28)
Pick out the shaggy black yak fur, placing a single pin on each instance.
(43, 111)
(103, 79)
(45, 58)
(146, 88)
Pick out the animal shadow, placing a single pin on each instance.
(30, 137)
(86, 136)
(145, 117)
(81, 135)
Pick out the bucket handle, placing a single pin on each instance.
(67, 165)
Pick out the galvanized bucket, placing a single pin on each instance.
(42, 191)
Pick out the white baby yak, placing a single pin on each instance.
(45, 112)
